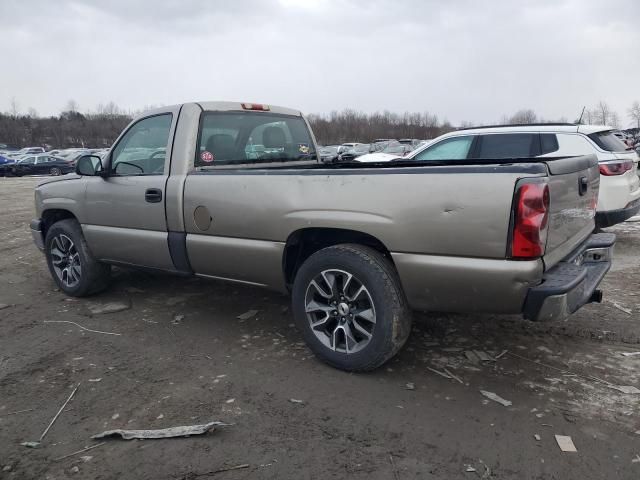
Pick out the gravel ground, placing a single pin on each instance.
(181, 357)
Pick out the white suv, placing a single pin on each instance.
(619, 197)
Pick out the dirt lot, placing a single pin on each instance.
(182, 357)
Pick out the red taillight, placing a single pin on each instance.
(531, 221)
(256, 106)
(616, 168)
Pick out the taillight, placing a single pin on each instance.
(616, 168)
(256, 106)
(530, 221)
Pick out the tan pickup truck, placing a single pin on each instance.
(236, 191)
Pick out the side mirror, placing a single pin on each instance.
(89, 165)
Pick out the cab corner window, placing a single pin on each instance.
(142, 149)
(455, 148)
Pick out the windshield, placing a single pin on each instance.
(608, 141)
(228, 138)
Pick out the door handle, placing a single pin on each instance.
(153, 195)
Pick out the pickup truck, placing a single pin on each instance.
(236, 191)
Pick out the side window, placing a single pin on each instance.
(573, 144)
(29, 161)
(507, 145)
(455, 148)
(548, 143)
(142, 150)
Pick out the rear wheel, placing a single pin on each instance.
(70, 262)
(350, 307)
(55, 171)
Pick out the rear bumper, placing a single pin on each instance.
(573, 282)
(612, 217)
(36, 233)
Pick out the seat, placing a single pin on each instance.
(274, 137)
(222, 146)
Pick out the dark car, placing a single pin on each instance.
(41, 165)
(351, 153)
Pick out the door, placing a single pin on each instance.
(126, 210)
(43, 164)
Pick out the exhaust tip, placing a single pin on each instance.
(596, 297)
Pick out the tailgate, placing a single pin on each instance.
(573, 189)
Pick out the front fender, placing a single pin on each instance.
(62, 195)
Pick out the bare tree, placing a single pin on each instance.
(634, 113)
(72, 106)
(32, 113)
(602, 112)
(614, 119)
(523, 116)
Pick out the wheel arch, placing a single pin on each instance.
(53, 215)
(303, 243)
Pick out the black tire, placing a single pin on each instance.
(392, 314)
(55, 171)
(94, 275)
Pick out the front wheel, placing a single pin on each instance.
(350, 307)
(72, 266)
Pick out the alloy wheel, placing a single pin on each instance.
(340, 311)
(65, 260)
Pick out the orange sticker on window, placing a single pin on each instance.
(206, 157)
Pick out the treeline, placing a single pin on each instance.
(69, 129)
(352, 126)
(101, 127)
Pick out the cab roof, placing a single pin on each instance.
(216, 106)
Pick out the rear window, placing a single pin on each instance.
(510, 145)
(608, 142)
(236, 138)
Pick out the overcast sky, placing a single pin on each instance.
(462, 60)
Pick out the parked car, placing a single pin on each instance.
(329, 153)
(41, 165)
(358, 245)
(347, 146)
(414, 142)
(350, 154)
(619, 197)
(5, 165)
(393, 151)
(29, 151)
(71, 155)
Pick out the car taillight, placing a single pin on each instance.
(530, 221)
(616, 168)
(256, 106)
